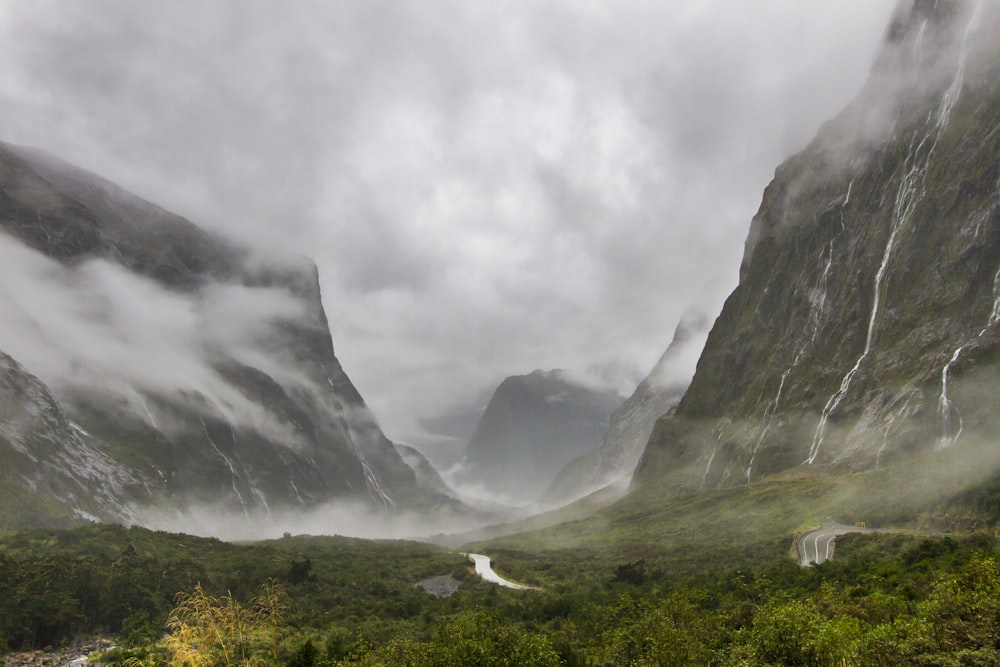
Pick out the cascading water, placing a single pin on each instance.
(232, 468)
(946, 408)
(718, 441)
(295, 490)
(768, 417)
(909, 194)
(257, 493)
(372, 480)
(152, 420)
(888, 428)
(995, 313)
(817, 298)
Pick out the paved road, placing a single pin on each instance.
(485, 570)
(817, 546)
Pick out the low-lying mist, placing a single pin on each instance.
(97, 326)
(350, 519)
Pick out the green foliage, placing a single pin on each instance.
(475, 638)
(887, 599)
(307, 656)
(674, 631)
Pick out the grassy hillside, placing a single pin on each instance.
(752, 526)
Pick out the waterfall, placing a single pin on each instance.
(888, 428)
(909, 194)
(946, 408)
(995, 313)
(371, 479)
(232, 468)
(817, 298)
(718, 441)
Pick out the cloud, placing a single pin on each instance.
(98, 327)
(338, 518)
(487, 188)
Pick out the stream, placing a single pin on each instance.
(485, 570)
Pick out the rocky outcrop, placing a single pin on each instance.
(864, 326)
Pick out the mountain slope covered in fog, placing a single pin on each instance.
(147, 362)
(632, 422)
(864, 327)
(533, 426)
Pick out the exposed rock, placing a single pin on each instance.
(864, 326)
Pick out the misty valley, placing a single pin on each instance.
(809, 473)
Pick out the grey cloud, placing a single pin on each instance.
(97, 327)
(487, 188)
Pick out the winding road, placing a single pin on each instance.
(485, 570)
(817, 546)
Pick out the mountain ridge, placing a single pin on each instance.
(244, 404)
(863, 321)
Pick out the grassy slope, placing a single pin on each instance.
(752, 526)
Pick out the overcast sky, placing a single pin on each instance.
(487, 187)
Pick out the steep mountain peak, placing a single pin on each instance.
(196, 372)
(862, 325)
(532, 426)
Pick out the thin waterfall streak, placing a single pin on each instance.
(995, 313)
(295, 490)
(888, 428)
(832, 404)
(149, 414)
(817, 306)
(946, 407)
(909, 194)
(257, 493)
(371, 479)
(718, 441)
(768, 417)
(229, 463)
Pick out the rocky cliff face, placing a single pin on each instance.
(149, 362)
(632, 422)
(864, 326)
(534, 425)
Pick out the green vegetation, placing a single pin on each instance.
(655, 579)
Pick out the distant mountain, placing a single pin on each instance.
(533, 425)
(865, 325)
(442, 438)
(147, 362)
(428, 478)
(632, 422)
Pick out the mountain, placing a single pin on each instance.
(864, 326)
(533, 425)
(428, 477)
(146, 362)
(632, 422)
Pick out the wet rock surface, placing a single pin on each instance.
(441, 587)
